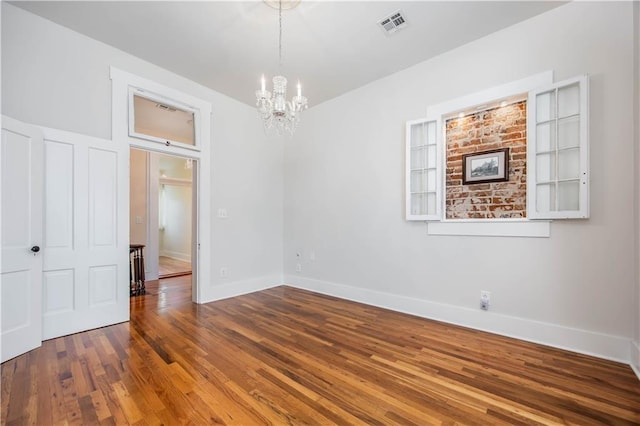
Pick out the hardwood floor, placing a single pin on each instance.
(160, 294)
(169, 267)
(287, 356)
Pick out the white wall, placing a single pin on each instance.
(175, 237)
(55, 77)
(635, 348)
(344, 194)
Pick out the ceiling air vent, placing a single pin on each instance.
(166, 107)
(396, 21)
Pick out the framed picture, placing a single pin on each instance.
(484, 167)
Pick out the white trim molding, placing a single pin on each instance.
(184, 257)
(635, 358)
(175, 181)
(601, 345)
(240, 288)
(493, 94)
(491, 228)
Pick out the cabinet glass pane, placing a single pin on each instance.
(431, 180)
(418, 135)
(418, 157)
(546, 197)
(569, 132)
(418, 181)
(418, 204)
(569, 195)
(568, 100)
(431, 203)
(545, 106)
(569, 164)
(431, 133)
(431, 156)
(545, 137)
(545, 167)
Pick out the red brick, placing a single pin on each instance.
(484, 131)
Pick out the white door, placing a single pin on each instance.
(21, 267)
(86, 233)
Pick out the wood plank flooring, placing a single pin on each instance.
(289, 357)
(169, 267)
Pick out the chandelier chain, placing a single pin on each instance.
(280, 35)
(274, 109)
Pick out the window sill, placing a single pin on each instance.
(491, 228)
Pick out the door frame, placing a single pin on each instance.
(122, 82)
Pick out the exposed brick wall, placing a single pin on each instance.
(504, 127)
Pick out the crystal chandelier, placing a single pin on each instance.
(276, 112)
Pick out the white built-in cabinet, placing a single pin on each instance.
(557, 156)
(423, 170)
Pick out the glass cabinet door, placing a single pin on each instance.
(558, 151)
(423, 177)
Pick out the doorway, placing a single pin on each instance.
(125, 87)
(175, 197)
(162, 214)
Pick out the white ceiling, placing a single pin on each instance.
(331, 46)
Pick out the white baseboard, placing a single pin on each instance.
(239, 288)
(635, 358)
(185, 257)
(601, 345)
(150, 276)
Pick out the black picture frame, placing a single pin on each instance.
(485, 167)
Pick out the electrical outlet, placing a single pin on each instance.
(139, 220)
(223, 273)
(485, 299)
(298, 267)
(222, 213)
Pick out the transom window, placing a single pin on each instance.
(156, 119)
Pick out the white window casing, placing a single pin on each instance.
(557, 158)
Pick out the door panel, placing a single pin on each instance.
(58, 200)
(86, 263)
(59, 290)
(21, 276)
(103, 206)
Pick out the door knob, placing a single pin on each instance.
(35, 249)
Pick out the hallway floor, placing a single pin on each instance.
(169, 267)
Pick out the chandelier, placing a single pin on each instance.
(275, 111)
